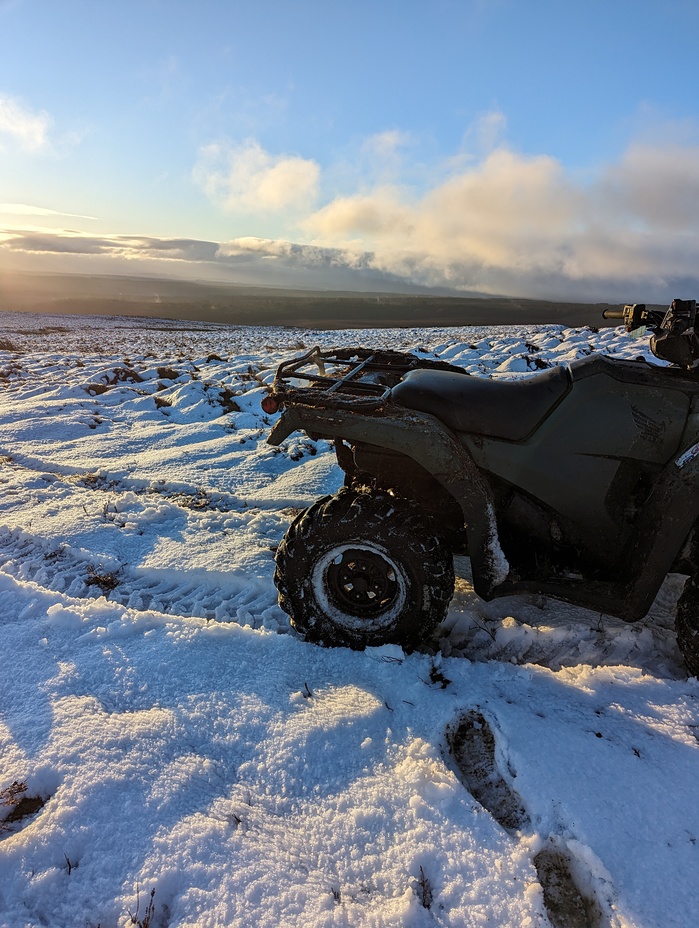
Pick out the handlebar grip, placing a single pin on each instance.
(612, 314)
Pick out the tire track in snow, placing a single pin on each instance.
(29, 558)
(184, 495)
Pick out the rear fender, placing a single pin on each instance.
(425, 439)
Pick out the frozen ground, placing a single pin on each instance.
(183, 740)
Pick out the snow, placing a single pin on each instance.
(185, 740)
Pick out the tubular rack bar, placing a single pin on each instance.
(346, 384)
(352, 373)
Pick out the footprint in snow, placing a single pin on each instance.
(471, 744)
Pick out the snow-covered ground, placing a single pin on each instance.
(185, 741)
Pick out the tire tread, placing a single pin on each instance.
(351, 515)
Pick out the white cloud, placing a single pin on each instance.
(382, 156)
(485, 133)
(502, 211)
(656, 185)
(386, 145)
(27, 128)
(491, 128)
(369, 218)
(23, 209)
(248, 179)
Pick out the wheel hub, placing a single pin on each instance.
(361, 582)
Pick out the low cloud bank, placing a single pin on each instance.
(129, 247)
(501, 223)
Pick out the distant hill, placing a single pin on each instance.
(243, 305)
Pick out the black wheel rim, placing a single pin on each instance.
(361, 582)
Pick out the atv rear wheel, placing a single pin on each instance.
(364, 569)
(687, 626)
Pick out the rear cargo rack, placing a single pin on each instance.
(346, 378)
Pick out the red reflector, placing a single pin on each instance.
(270, 404)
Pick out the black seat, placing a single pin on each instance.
(508, 409)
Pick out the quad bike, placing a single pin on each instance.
(579, 482)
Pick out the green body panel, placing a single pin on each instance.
(574, 459)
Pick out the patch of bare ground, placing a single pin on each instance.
(16, 806)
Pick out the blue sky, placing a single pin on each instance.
(530, 147)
